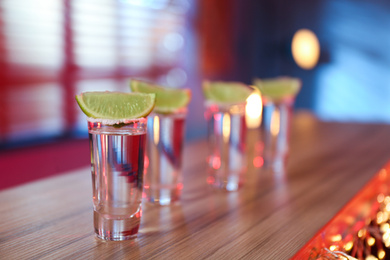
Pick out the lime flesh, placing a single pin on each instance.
(168, 100)
(278, 88)
(115, 105)
(226, 92)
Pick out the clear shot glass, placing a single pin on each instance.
(163, 161)
(226, 160)
(277, 115)
(117, 166)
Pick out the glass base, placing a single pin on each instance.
(116, 229)
(275, 165)
(163, 197)
(228, 182)
(111, 238)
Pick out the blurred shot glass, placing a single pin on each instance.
(163, 161)
(276, 128)
(117, 166)
(166, 130)
(227, 137)
(225, 104)
(278, 97)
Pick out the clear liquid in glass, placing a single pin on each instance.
(117, 165)
(227, 137)
(276, 132)
(163, 174)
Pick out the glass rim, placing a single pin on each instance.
(105, 121)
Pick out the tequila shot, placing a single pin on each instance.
(117, 136)
(163, 169)
(278, 96)
(166, 125)
(117, 166)
(276, 132)
(226, 130)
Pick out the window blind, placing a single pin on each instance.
(53, 49)
(32, 59)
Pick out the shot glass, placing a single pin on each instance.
(117, 166)
(226, 136)
(276, 132)
(163, 169)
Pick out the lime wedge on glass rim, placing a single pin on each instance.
(278, 88)
(226, 92)
(168, 100)
(115, 106)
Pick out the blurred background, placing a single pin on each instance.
(51, 50)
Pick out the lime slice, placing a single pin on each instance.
(168, 100)
(116, 105)
(226, 92)
(278, 88)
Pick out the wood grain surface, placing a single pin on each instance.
(271, 217)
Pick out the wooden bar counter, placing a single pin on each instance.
(271, 217)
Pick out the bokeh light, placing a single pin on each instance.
(305, 49)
